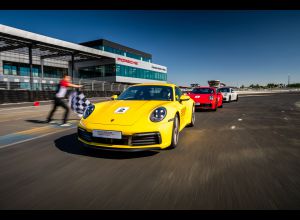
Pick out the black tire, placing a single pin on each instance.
(193, 119)
(229, 100)
(221, 106)
(237, 98)
(175, 133)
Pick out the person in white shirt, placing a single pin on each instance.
(58, 99)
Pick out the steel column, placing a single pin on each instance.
(72, 66)
(30, 66)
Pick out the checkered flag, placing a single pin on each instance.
(78, 102)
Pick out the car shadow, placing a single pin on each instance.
(204, 110)
(37, 121)
(45, 122)
(70, 144)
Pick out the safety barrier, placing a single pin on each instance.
(9, 82)
(17, 89)
(17, 96)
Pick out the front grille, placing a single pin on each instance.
(204, 105)
(140, 139)
(146, 139)
(87, 136)
(123, 141)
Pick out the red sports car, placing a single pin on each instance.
(206, 98)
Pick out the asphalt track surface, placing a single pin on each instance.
(245, 155)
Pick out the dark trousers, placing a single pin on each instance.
(59, 102)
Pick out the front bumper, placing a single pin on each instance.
(204, 106)
(119, 149)
(132, 139)
(225, 98)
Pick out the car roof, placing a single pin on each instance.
(226, 87)
(155, 84)
(204, 87)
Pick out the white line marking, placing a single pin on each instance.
(232, 127)
(30, 139)
(240, 119)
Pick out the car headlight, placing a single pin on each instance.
(158, 114)
(197, 96)
(225, 94)
(211, 98)
(88, 111)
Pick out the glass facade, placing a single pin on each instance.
(25, 85)
(9, 69)
(113, 50)
(97, 72)
(23, 69)
(123, 53)
(146, 59)
(128, 71)
(54, 72)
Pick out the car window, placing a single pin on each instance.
(224, 90)
(147, 93)
(178, 93)
(203, 91)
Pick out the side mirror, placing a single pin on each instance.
(184, 98)
(114, 97)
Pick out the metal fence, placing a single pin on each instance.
(50, 84)
(95, 85)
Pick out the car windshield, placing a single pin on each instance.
(203, 91)
(224, 90)
(147, 93)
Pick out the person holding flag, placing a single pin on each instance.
(58, 99)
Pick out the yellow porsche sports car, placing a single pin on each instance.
(143, 117)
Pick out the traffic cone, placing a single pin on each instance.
(36, 103)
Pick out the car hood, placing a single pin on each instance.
(122, 112)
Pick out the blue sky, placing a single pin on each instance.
(236, 47)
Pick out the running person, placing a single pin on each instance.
(58, 99)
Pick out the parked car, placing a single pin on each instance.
(206, 98)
